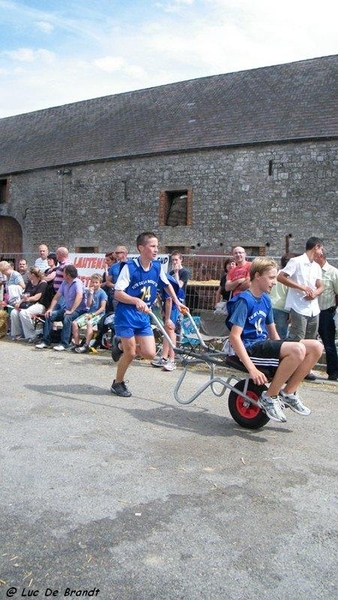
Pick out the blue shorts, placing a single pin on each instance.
(129, 322)
(126, 331)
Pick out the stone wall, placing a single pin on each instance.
(253, 196)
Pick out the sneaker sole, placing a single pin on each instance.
(273, 418)
(298, 412)
(123, 395)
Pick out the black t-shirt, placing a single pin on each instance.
(32, 290)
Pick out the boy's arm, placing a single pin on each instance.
(170, 290)
(272, 331)
(236, 342)
(125, 298)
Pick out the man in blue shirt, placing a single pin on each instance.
(254, 339)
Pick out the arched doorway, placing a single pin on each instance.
(10, 236)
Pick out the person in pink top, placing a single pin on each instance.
(238, 278)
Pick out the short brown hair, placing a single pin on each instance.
(260, 265)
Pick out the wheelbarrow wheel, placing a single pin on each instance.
(243, 412)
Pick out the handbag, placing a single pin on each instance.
(25, 304)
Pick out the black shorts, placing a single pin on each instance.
(266, 354)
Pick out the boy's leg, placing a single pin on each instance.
(75, 333)
(129, 353)
(146, 346)
(313, 351)
(136, 345)
(89, 332)
(292, 354)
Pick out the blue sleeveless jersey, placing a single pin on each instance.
(137, 282)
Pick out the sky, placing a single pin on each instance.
(54, 52)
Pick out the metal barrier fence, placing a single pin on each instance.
(205, 272)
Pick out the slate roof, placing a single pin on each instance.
(294, 101)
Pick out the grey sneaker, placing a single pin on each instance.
(159, 361)
(116, 352)
(169, 365)
(272, 407)
(120, 389)
(295, 403)
(81, 349)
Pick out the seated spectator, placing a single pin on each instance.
(96, 304)
(107, 285)
(23, 270)
(14, 282)
(222, 295)
(73, 305)
(30, 303)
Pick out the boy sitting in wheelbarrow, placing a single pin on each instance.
(255, 341)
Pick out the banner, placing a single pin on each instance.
(87, 264)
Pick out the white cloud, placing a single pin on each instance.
(29, 55)
(45, 26)
(110, 64)
(174, 6)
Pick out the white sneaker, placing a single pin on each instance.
(169, 365)
(159, 362)
(41, 345)
(295, 403)
(59, 348)
(272, 407)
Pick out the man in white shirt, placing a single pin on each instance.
(41, 262)
(303, 276)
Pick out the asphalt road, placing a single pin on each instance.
(142, 498)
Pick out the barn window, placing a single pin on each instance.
(176, 207)
(3, 191)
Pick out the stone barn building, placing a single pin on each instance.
(247, 157)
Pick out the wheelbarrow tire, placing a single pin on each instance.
(245, 414)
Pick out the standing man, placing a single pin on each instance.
(328, 305)
(41, 262)
(303, 276)
(62, 256)
(238, 279)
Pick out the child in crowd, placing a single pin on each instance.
(171, 315)
(251, 323)
(135, 292)
(96, 303)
